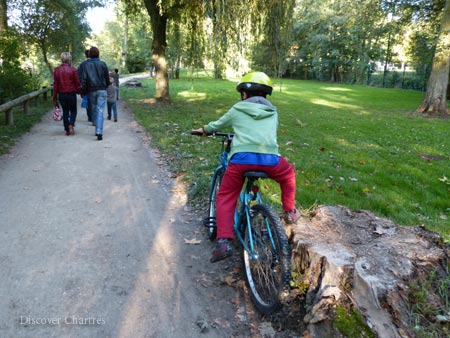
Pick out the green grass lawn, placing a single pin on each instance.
(356, 146)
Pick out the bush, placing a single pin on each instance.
(136, 64)
(14, 80)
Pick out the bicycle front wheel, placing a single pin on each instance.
(267, 266)
(211, 223)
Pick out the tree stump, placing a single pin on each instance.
(356, 259)
(133, 84)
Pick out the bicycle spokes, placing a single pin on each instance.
(262, 238)
(266, 261)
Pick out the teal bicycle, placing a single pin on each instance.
(265, 249)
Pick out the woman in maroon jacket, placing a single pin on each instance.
(66, 86)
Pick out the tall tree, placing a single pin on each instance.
(219, 37)
(3, 16)
(435, 101)
(158, 18)
(125, 43)
(275, 40)
(160, 13)
(52, 26)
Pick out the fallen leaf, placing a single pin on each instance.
(300, 123)
(222, 323)
(192, 241)
(230, 280)
(240, 284)
(444, 179)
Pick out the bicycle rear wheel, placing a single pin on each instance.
(267, 271)
(210, 221)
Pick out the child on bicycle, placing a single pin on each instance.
(254, 121)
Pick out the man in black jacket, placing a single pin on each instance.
(85, 97)
(94, 78)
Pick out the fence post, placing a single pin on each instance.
(25, 107)
(45, 93)
(9, 117)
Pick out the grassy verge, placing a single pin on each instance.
(357, 146)
(22, 122)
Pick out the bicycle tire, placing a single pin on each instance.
(268, 276)
(212, 226)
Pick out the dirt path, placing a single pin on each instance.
(92, 242)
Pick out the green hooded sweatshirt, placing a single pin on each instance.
(254, 123)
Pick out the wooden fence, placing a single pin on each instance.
(23, 100)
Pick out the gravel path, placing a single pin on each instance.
(92, 242)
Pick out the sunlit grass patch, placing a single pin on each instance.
(351, 145)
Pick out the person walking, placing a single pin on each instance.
(112, 101)
(115, 77)
(94, 80)
(66, 86)
(85, 98)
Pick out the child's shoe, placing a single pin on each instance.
(222, 250)
(291, 216)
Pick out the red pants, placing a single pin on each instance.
(231, 186)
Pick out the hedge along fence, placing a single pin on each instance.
(22, 100)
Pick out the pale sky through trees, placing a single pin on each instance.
(97, 17)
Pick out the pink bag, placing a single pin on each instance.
(57, 114)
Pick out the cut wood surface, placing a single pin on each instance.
(365, 262)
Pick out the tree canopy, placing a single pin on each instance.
(388, 43)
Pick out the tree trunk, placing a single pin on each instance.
(125, 44)
(159, 23)
(217, 40)
(3, 16)
(448, 88)
(43, 48)
(353, 260)
(435, 101)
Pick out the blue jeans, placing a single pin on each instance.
(97, 101)
(112, 105)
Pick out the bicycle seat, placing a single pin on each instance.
(255, 174)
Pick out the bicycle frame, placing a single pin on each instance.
(247, 196)
(222, 157)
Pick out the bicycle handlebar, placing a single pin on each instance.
(214, 133)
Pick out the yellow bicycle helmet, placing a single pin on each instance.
(256, 82)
